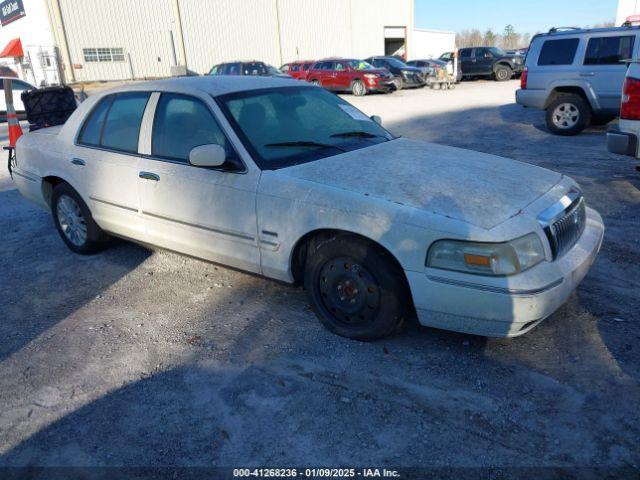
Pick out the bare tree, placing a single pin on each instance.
(510, 38)
(490, 38)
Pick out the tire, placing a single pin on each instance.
(358, 88)
(74, 222)
(600, 120)
(355, 288)
(503, 73)
(568, 114)
(399, 83)
(316, 83)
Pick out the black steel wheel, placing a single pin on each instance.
(356, 290)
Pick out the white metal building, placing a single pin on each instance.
(124, 39)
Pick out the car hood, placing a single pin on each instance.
(476, 188)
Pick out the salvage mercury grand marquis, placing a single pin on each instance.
(291, 182)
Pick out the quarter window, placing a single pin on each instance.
(558, 52)
(92, 129)
(182, 123)
(609, 50)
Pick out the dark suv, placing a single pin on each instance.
(247, 68)
(356, 76)
(405, 75)
(489, 62)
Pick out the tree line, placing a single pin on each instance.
(509, 39)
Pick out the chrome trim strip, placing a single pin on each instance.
(244, 236)
(558, 209)
(489, 288)
(124, 207)
(31, 179)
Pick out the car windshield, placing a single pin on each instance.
(291, 125)
(496, 51)
(360, 65)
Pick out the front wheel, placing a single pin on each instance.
(358, 88)
(503, 73)
(356, 290)
(74, 222)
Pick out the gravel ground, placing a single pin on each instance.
(148, 358)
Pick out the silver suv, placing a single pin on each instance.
(576, 75)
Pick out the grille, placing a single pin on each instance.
(565, 232)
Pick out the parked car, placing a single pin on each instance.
(355, 76)
(297, 70)
(287, 180)
(252, 68)
(623, 137)
(405, 76)
(489, 62)
(433, 66)
(576, 76)
(18, 87)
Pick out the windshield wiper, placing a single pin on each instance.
(304, 143)
(358, 133)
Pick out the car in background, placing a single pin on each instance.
(251, 68)
(297, 70)
(280, 178)
(433, 65)
(576, 75)
(18, 86)
(355, 76)
(405, 76)
(623, 137)
(489, 62)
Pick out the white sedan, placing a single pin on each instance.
(291, 182)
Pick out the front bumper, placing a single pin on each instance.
(461, 302)
(622, 143)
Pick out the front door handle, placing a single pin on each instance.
(588, 74)
(78, 161)
(149, 176)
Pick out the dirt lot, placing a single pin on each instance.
(139, 357)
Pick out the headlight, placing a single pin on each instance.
(495, 259)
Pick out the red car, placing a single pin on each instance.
(297, 70)
(356, 76)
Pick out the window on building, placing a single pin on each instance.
(609, 50)
(558, 52)
(103, 54)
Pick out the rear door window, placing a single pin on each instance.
(122, 127)
(465, 53)
(609, 50)
(558, 52)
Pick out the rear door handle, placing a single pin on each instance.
(78, 161)
(149, 176)
(588, 74)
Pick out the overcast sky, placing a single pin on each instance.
(526, 16)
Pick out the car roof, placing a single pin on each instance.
(211, 84)
(573, 31)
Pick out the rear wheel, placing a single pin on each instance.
(568, 114)
(358, 88)
(74, 222)
(356, 290)
(503, 73)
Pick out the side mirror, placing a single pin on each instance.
(377, 119)
(212, 155)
